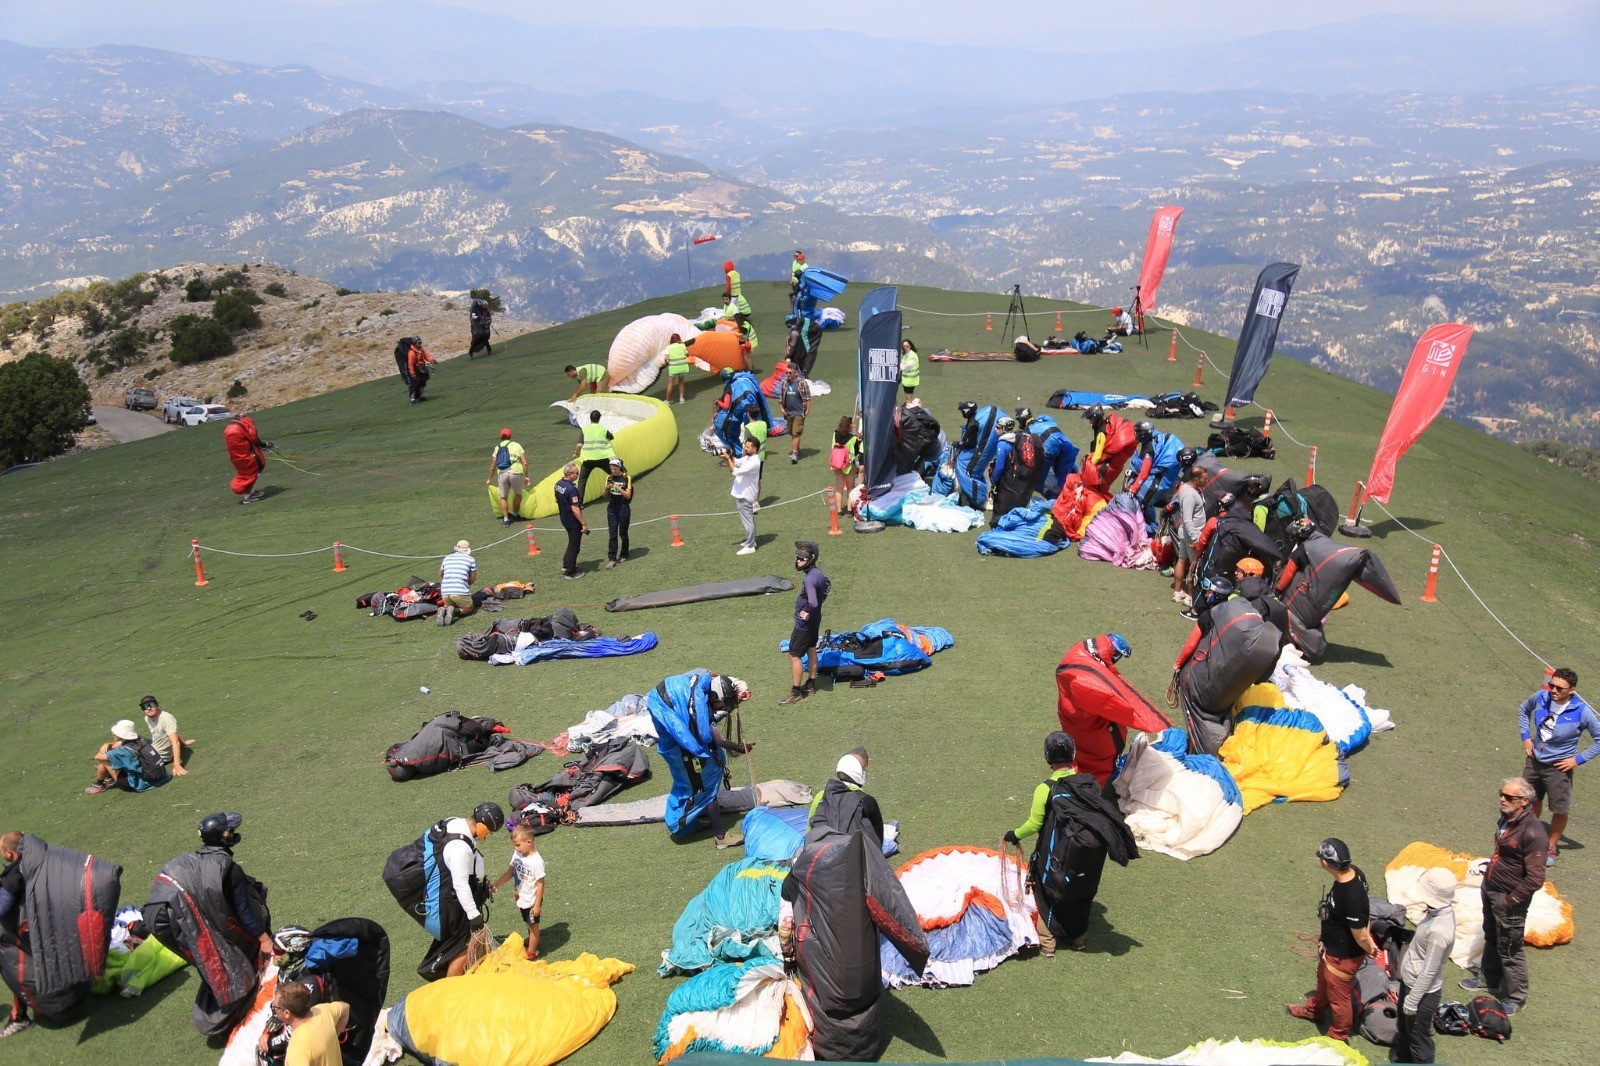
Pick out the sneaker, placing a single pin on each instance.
(622, 558)
(1476, 984)
(746, 550)
(611, 564)
(1189, 613)
(1301, 1011)
(97, 788)
(16, 1026)
(506, 520)
(1549, 860)
(1177, 596)
(730, 840)
(755, 507)
(1166, 571)
(793, 458)
(575, 575)
(1511, 1008)
(796, 694)
(1185, 599)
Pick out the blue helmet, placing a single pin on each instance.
(1121, 649)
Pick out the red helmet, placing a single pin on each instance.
(727, 265)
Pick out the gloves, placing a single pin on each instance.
(475, 924)
(1012, 839)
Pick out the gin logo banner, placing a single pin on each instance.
(1157, 247)
(1418, 401)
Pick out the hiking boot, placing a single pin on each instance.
(730, 840)
(796, 694)
(575, 575)
(1301, 1011)
(15, 1026)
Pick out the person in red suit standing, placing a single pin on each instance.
(1097, 705)
(1112, 444)
(245, 451)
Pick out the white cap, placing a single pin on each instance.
(1437, 887)
(124, 730)
(851, 769)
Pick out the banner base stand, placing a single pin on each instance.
(1355, 529)
(1221, 422)
(863, 526)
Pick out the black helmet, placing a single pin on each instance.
(1059, 748)
(221, 829)
(1335, 853)
(1144, 430)
(1257, 485)
(807, 550)
(1024, 416)
(967, 408)
(1095, 413)
(491, 815)
(1187, 456)
(1301, 528)
(1225, 501)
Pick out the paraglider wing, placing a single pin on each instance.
(639, 350)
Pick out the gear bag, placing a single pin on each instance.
(416, 876)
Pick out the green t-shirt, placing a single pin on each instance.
(757, 431)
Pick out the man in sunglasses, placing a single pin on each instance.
(1551, 720)
(1516, 872)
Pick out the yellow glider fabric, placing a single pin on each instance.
(1278, 754)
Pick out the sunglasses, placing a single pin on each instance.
(1512, 796)
(1558, 689)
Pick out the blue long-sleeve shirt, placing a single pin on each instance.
(1578, 717)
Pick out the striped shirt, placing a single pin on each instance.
(455, 574)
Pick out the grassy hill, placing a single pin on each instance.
(293, 716)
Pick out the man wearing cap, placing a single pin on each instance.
(1515, 874)
(1422, 966)
(1121, 324)
(459, 903)
(164, 735)
(843, 801)
(1344, 941)
(118, 763)
(508, 467)
(814, 589)
(457, 572)
(619, 511)
(796, 268)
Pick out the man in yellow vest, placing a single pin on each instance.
(733, 284)
(796, 268)
(677, 367)
(594, 451)
(591, 376)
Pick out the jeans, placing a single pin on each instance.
(618, 515)
(569, 561)
(1333, 994)
(1415, 1040)
(747, 515)
(1504, 965)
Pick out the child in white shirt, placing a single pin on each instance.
(527, 869)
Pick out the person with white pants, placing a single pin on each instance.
(746, 471)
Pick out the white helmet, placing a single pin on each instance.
(852, 769)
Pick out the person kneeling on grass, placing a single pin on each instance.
(527, 873)
(457, 572)
(128, 762)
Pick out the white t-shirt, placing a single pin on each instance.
(1125, 321)
(527, 871)
(463, 862)
(746, 477)
(161, 729)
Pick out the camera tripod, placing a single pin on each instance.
(1138, 317)
(1016, 313)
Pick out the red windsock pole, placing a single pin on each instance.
(533, 545)
(1199, 369)
(1172, 349)
(338, 558)
(1433, 576)
(1311, 467)
(199, 570)
(677, 538)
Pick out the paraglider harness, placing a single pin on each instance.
(402, 358)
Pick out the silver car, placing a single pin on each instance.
(206, 412)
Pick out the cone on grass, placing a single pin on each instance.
(533, 545)
(1172, 349)
(677, 538)
(199, 568)
(1433, 576)
(338, 558)
(988, 321)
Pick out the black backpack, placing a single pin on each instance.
(1450, 1019)
(1486, 1017)
(411, 867)
(541, 812)
(151, 766)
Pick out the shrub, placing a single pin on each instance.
(235, 311)
(197, 290)
(387, 311)
(490, 298)
(123, 348)
(230, 279)
(154, 372)
(200, 340)
(276, 289)
(43, 403)
(237, 390)
(342, 291)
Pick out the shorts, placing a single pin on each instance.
(1186, 551)
(803, 639)
(671, 373)
(462, 604)
(511, 484)
(1549, 784)
(797, 424)
(528, 917)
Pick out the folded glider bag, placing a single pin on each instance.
(1175, 802)
(1082, 496)
(598, 648)
(509, 1011)
(643, 444)
(1278, 754)
(244, 452)
(884, 646)
(1239, 651)
(131, 972)
(444, 742)
(1096, 706)
(747, 1008)
(844, 895)
(714, 590)
(967, 460)
(69, 906)
(974, 906)
(1068, 400)
(639, 350)
(1025, 533)
(602, 772)
(777, 793)
(1324, 570)
(191, 913)
(734, 919)
(1117, 535)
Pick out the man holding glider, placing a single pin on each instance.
(1097, 706)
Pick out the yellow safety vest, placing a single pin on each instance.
(910, 370)
(735, 283)
(677, 358)
(591, 373)
(595, 445)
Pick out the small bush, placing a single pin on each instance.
(276, 289)
(490, 298)
(198, 290)
(387, 311)
(154, 372)
(342, 291)
(309, 304)
(237, 390)
(235, 311)
(201, 340)
(230, 279)
(360, 320)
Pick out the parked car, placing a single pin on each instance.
(139, 398)
(172, 410)
(206, 412)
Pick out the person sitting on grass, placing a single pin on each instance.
(590, 376)
(526, 871)
(127, 762)
(164, 735)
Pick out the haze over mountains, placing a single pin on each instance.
(1450, 189)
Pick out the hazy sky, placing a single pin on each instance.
(1033, 24)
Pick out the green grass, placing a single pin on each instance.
(293, 717)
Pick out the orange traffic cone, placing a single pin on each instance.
(833, 514)
(533, 545)
(1199, 369)
(1311, 467)
(199, 570)
(677, 538)
(988, 321)
(1058, 321)
(338, 559)
(1433, 576)
(1172, 351)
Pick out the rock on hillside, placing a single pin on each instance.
(312, 339)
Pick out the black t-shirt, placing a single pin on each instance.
(566, 498)
(1345, 908)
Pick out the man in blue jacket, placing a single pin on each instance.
(1551, 720)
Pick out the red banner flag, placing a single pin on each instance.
(1418, 401)
(708, 239)
(1157, 247)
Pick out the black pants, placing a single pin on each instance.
(618, 515)
(569, 561)
(1415, 1040)
(1504, 965)
(590, 466)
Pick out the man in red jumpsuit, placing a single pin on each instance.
(1097, 705)
(245, 452)
(1113, 443)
